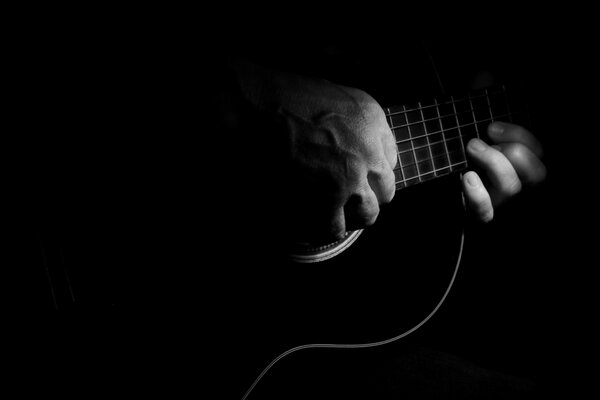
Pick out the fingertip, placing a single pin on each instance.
(487, 216)
(383, 184)
(476, 146)
(472, 179)
(478, 199)
(541, 173)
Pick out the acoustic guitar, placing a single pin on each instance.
(285, 314)
(340, 296)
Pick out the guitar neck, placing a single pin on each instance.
(431, 137)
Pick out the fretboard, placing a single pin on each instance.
(431, 136)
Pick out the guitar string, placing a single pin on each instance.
(453, 116)
(488, 109)
(371, 344)
(460, 136)
(446, 170)
(416, 162)
(455, 112)
(429, 145)
(433, 162)
(394, 110)
(406, 121)
(485, 94)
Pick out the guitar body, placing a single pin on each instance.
(386, 282)
(293, 319)
(240, 285)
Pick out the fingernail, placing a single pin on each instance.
(477, 145)
(473, 179)
(496, 128)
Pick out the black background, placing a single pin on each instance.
(524, 299)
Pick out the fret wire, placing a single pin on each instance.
(428, 119)
(474, 118)
(403, 179)
(427, 138)
(421, 147)
(405, 110)
(451, 166)
(436, 157)
(489, 106)
(462, 144)
(444, 136)
(414, 153)
(419, 175)
(472, 110)
(439, 141)
(459, 126)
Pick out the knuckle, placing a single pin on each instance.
(530, 167)
(370, 108)
(486, 215)
(516, 152)
(480, 201)
(370, 217)
(510, 186)
(383, 182)
(363, 209)
(368, 214)
(507, 180)
(363, 219)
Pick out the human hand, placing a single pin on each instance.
(342, 155)
(330, 146)
(512, 161)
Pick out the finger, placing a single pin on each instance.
(477, 197)
(497, 168)
(383, 183)
(336, 225)
(529, 167)
(361, 209)
(503, 132)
